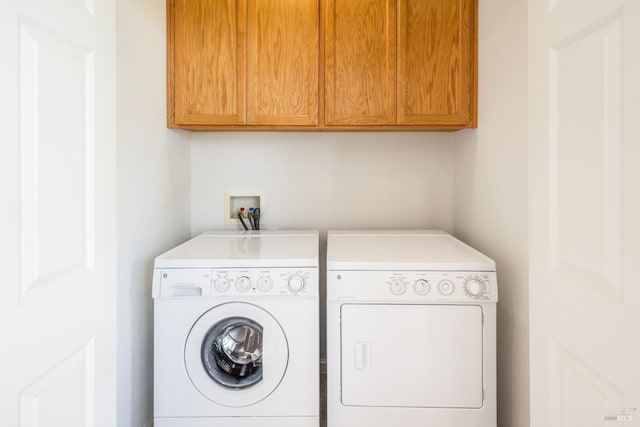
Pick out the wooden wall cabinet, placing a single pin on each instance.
(322, 64)
(437, 62)
(360, 62)
(242, 63)
(406, 63)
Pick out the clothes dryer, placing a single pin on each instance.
(411, 331)
(236, 331)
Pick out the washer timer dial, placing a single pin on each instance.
(295, 283)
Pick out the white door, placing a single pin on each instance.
(423, 356)
(584, 68)
(57, 207)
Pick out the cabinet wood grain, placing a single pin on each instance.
(436, 62)
(282, 66)
(322, 64)
(208, 52)
(360, 62)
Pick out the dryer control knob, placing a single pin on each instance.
(295, 283)
(221, 284)
(474, 287)
(243, 283)
(422, 287)
(397, 287)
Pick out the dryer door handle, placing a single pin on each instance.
(360, 354)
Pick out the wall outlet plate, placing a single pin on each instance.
(234, 200)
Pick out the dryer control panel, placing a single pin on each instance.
(413, 286)
(208, 283)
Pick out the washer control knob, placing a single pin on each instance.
(295, 283)
(221, 284)
(265, 283)
(474, 287)
(421, 287)
(446, 287)
(397, 287)
(243, 283)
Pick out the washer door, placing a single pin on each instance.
(236, 354)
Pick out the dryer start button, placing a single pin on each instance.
(446, 287)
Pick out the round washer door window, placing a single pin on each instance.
(236, 354)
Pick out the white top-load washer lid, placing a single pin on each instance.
(241, 249)
(429, 250)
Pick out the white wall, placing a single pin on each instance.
(153, 196)
(491, 187)
(326, 180)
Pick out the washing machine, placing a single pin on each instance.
(411, 331)
(236, 331)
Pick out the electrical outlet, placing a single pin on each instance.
(234, 200)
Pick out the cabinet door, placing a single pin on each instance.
(436, 62)
(282, 67)
(208, 84)
(360, 62)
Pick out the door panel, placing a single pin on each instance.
(585, 201)
(282, 67)
(56, 203)
(57, 184)
(412, 355)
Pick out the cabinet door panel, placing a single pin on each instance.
(282, 68)
(209, 54)
(360, 62)
(436, 66)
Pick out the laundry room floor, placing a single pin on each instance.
(323, 400)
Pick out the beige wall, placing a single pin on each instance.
(491, 186)
(153, 196)
(326, 180)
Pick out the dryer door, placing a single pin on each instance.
(423, 356)
(236, 354)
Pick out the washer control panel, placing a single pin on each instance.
(452, 286)
(197, 282)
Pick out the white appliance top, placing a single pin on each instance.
(242, 249)
(427, 250)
